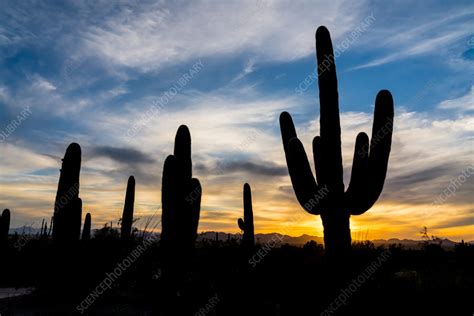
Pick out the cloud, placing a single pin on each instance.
(436, 35)
(43, 84)
(417, 178)
(463, 220)
(463, 103)
(264, 168)
(122, 155)
(248, 69)
(152, 35)
(420, 47)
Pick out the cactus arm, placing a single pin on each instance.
(317, 156)
(356, 194)
(330, 128)
(301, 176)
(77, 219)
(370, 166)
(195, 207)
(381, 142)
(169, 198)
(241, 224)
(304, 184)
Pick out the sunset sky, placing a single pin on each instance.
(90, 72)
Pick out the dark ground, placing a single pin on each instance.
(225, 279)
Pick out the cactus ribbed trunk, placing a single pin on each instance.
(337, 234)
(68, 205)
(127, 215)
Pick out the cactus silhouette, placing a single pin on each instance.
(127, 215)
(42, 228)
(86, 231)
(181, 203)
(44, 233)
(4, 226)
(68, 205)
(246, 224)
(326, 196)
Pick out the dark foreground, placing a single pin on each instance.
(103, 276)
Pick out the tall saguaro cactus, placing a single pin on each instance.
(326, 196)
(181, 203)
(127, 215)
(4, 226)
(86, 231)
(68, 205)
(246, 224)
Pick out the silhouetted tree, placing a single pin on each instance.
(326, 196)
(313, 246)
(246, 224)
(106, 232)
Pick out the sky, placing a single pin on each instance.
(120, 77)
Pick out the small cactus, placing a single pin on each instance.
(68, 205)
(86, 231)
(246, 224)
(127, 215)
(44, 233)
(40, 233)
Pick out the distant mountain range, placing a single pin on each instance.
(277, 239)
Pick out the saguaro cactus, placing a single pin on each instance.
(127, 215)
(86, 231)
(4, 226)
(68, 205)
(181, 203)
(246, 224)
(326, 196)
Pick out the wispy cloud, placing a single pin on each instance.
(248, 69)
(463, 103)
(150, 36)
(414, 37)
